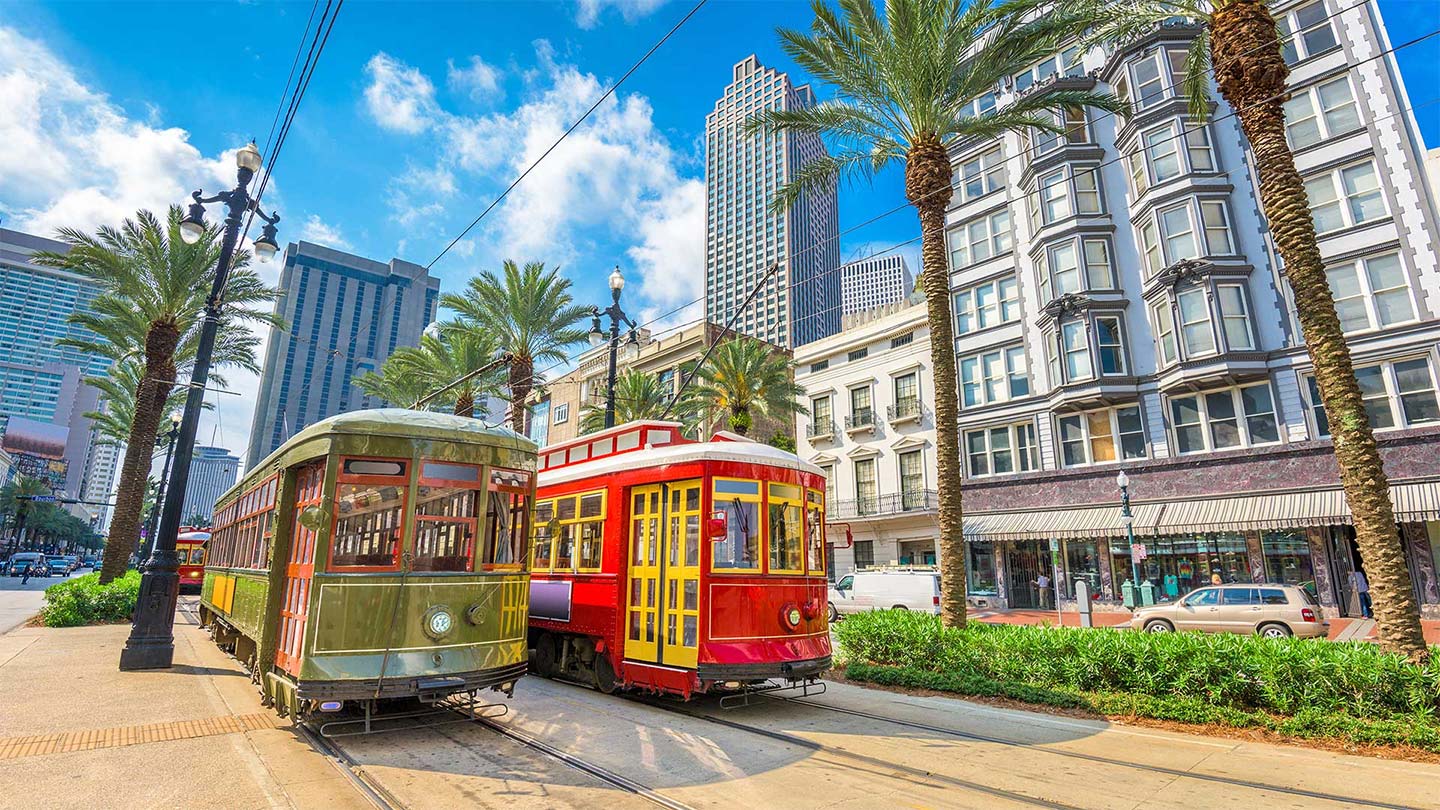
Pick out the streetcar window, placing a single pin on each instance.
(580, 532)
(544, 528)
(368, 525)
(366, 466)
(815, 533)
(444, 528)
(197, 555)
(449, 472)
(506, 526)
(739, 549)
(786, 530)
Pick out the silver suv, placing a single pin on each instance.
(1274, 611)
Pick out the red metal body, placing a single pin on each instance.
(662, 605)
(190, 549)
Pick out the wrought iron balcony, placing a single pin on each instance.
(820, 429)
(863, 419)
(906, 409)
(894, 503)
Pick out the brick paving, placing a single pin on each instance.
(40, 744)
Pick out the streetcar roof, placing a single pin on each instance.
(746, 452)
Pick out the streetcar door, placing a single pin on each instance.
(681, 574)
(641, 625)
(299, 568)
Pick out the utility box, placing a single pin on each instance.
(1147, 594)
(1082, 602)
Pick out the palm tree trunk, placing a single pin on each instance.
(522, 369)
(1252, 76)
(150, 399)
(927, 186)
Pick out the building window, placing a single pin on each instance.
(1371, 293)
(981, 175)
(858, 354)
(1305, 32)
(1003, 449)
(997, 376)
(862, 410)
(1321, 112)
(1396, 394)
(1196, 336)
(864, 554)
(867, 493)
(1066, 63)
(829, 471)
(1096, 437)
(1076, 350)
(978, 107)
(1159, 72)
(1233, 417)
(1066, 274)
(822, 417)
(1073, 131)
(1110, 344)
(820, 365)
(1162, 152)
(1234, 317)
(1345, 197)
(902, 340)
(912, 480)
(1179, 234)
(1054, 197)
(907, 394)
(561, 413)
(986, 305)
(982, 239)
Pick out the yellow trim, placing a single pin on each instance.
(815, 502)
(554, 504)
(797, 501)
(761, 518)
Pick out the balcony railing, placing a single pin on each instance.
(906, 409)
(820, 429)
(895, 503)
(860, 420)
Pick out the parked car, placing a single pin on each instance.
(886, 589)
(33, 559)
(1274, 611)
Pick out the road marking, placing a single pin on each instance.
(121, 736)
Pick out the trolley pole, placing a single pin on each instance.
(152, 642)
(617, 317)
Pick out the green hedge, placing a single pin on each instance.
(1299, 687)
(83, 600)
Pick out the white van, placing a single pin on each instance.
(885, 589)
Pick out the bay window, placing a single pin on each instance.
(1054, 197)
(1097, 437)
(1065, 192)
(1305, 32)
(1163, 153)
(1003, 449)
(1073, 131)
(995, 376)
(1321, 112)
(1399, 393)
(1066, 63)
(1159, 74)
(1109, 344)
(1196, 336)
(1371, 293)
(986, 305)
(1164, 333)
(1234, 317)
(981, 175)
(981, 239)
(1187, 230)
(1345, 197)
(1218, 420)
(1081, 345)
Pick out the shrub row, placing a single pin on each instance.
(1291, 677)
(83, 600)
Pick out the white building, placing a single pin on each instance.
(872, 432)
(744, 239)
(874, 281)
(213, 470)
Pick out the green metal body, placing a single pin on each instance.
(354, 628)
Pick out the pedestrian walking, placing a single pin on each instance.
(25, 577)
(1043, 583)
(1362, 588)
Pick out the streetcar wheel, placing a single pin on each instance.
(604, 674)
(543, 661)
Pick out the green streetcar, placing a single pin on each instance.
(376, 555)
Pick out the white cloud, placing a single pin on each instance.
(587, 12)
(480, 81)
(670, 257)
(314, 230)
(399, 97)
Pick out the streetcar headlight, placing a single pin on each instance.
(438, 622)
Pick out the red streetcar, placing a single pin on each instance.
(190, 545)
(672, 565)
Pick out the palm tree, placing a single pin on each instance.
(153, 290)
(1242, 42)
(117, 398)
(530, 313)
(443, 357)
(904, 88)
(641, 395)
(744, 379)
(15, 501)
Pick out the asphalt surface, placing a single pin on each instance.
(19, 602)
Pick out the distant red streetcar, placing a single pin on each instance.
(670, 565)
(190, 550)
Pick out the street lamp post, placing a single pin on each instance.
(617, 317)
(1126, 517)
(152, 643)
(169, 440)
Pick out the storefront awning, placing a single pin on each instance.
(1043, 524)
(1281, 510)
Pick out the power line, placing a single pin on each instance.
(608, 92)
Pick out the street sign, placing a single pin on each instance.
(40, 498)
(1138, 549)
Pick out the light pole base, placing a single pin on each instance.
(152, 640)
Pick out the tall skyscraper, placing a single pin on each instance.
(869, 283)
(212, 471)
(744, 238)
(344, 314)
(41, 380)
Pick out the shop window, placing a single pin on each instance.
(740, 549)
(787, 529)
(1082, 564)
(1177, 564)
(980, 568)
(1287, 558)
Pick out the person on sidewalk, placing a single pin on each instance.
(1043, 583)
(1362, 589)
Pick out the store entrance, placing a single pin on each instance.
(1024, 563)
(1345, 561)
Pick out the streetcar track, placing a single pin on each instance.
(352, 769)
(1096, 758)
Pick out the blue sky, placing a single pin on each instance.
(418, 115)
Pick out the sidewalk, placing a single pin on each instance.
(1340, 629)
(75, 730)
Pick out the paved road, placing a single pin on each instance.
(19, 602)
(860, 748)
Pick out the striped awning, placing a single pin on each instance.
(1043, 524)
(1414, 501)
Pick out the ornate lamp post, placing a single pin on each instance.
(168, 439)
(617, 317)
(152, 643)
(1123, 481)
